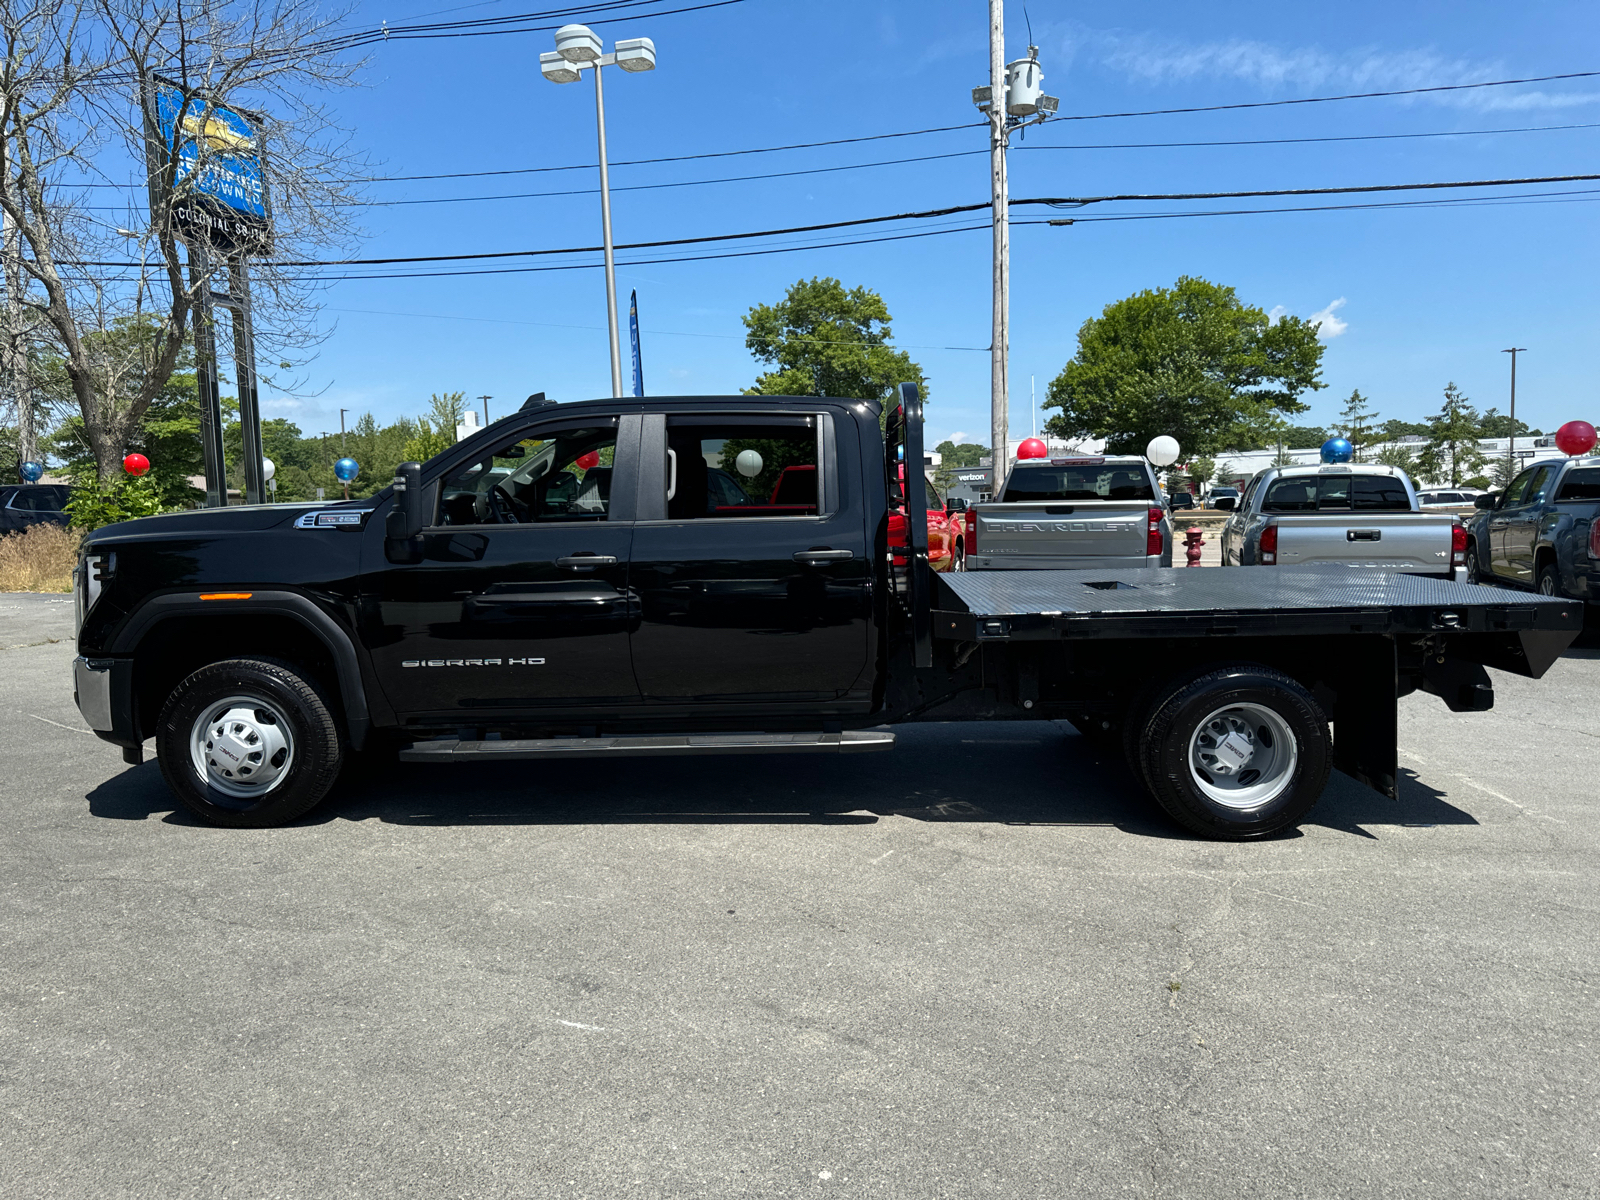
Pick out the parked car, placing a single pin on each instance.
(1221, 493)
(25, 504)
(1180, 500)
(1448, 498)
(1363, 516)
(1090, 513)
(1542, 532)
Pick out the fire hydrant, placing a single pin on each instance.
(1192, 542)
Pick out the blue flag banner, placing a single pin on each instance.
(633, 333)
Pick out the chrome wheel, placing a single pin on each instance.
(1243, 756)
(242, 747)
(1547, 584)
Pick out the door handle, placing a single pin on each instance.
(823, 555)
(584, 561)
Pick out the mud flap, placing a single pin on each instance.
(1365, 720)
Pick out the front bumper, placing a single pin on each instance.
(91, 688)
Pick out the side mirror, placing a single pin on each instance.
(407, 519)
(955, 506)
(1483, 502)
(1223, 503)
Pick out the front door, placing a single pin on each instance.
(750, 562)
(1501, 520)
(520, 601)
(1522, 525)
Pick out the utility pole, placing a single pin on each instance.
(1000, 336)
(1511, 442)
(18, 378)
(342, 412)
(486, 400)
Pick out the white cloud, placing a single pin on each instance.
(1331, 326)
(1278, 69)
(1277, 314)
(958, 436)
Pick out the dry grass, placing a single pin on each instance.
(40, 559)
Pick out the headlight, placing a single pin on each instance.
(88, 579)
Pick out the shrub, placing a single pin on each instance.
(39, 559)
(123, 500)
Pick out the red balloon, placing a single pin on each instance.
(1033, 448)
(586, 461)
(1575, 437)
(135, 464)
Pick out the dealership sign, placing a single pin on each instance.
(219, 196)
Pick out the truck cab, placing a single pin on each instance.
(1543, 531)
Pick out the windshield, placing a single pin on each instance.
(1339, 492)
(1091, 482)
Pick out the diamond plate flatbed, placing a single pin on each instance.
(1010, 605)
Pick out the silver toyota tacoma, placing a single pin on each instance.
(1088, 513)
(1358, 515)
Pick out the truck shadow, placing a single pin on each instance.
(1033, 773)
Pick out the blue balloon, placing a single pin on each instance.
(346, 469)
(32, 472)
(1337, 450)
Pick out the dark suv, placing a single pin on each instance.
(22, 505)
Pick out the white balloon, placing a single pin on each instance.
(1163, 450)
(748, 463)
(268, 469)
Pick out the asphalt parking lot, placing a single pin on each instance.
(979, 965)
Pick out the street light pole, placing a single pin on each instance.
(1511, 442)
(605, 238)
(1000, 331)
(578, 49)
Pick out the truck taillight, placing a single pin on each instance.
(972, 532)
(1458, 545)
(1269, 546)
(1594, 538)
(1152, 541)
(897, 529)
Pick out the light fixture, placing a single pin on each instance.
(1049, 104)
(578, 43)
(981, 95)
(636, 54)
(557, 69)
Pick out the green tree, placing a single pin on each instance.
(1495, 424)
(1452, 451)
(1393, 431)
(823, 339)
(1304, 437)
(953, 458)
(436, 432)
(1191, 361)
(1358, 424)
(1201, 472)
(1397, 456)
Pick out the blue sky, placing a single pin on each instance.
(1415, 297)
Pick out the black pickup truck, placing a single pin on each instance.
(734, 575)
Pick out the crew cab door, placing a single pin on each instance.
(750, 561)
(1522, 524)
(520, 602)
(1505, 518)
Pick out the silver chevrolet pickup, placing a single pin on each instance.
(1088, 513)
(1358, 515)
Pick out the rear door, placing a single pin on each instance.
(520, 601)
(765, 599)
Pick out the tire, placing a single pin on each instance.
(1474, 568)
(958, 561)
(1549, 583)
(248, 743)
(1240, 752)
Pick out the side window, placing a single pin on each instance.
(1581, 484)
(37, 500)
(742, 467)
(1518, 488)
(546, 476)
(1539, 486)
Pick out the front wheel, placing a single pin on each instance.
(1237, 753)
(1549, 580)
(959, 561)
(248, 743)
